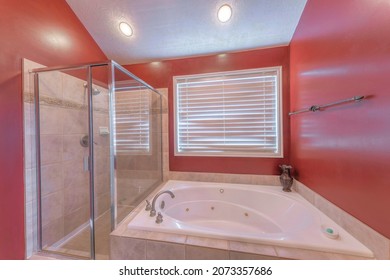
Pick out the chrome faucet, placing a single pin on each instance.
(153, 210)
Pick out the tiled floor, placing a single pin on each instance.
(48, 256)
(41, 257)
(79, 246)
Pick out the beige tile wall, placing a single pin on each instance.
(29, 162)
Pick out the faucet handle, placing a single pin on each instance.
(159, 218)
(148, 206)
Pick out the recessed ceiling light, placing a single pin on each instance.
(126, 29)
(224, 13)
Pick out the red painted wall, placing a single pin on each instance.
(47, 32)
(160, 75)
(342, 49)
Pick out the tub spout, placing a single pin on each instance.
(153, 210)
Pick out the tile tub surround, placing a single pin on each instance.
(145, 245)
(192, 247)
(377, 243)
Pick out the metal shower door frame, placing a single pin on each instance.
(112, 65)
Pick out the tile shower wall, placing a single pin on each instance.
(29, 162)
(65, 186)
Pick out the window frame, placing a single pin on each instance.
(278, 115)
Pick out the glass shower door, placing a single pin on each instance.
(98, 154)
(63, 162)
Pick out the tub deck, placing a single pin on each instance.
(130, 243)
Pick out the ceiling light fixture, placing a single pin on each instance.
(224, 13)
(126, 29)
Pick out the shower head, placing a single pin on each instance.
(95, 91)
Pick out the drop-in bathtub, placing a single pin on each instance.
(247, 213)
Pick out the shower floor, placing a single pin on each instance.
(79, 245)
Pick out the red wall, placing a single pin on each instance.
(49, 33)
(342, 49)
(160, 75)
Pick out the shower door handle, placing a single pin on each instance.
(86, 163)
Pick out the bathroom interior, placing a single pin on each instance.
(70, 177)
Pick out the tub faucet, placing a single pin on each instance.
(285, 178)
(153, 210)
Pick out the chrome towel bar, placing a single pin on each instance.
(315, 108)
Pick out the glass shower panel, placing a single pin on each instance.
(101, 139)
(64, 192)
(137, 142)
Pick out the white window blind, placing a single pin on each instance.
(132, 122)
(229, 114)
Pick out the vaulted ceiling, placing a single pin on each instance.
(166, 29)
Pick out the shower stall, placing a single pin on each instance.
(98, 153)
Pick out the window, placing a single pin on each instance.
(235, 113)
(132, 122)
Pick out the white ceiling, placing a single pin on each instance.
(166, 29)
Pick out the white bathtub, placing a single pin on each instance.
(247, 213)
